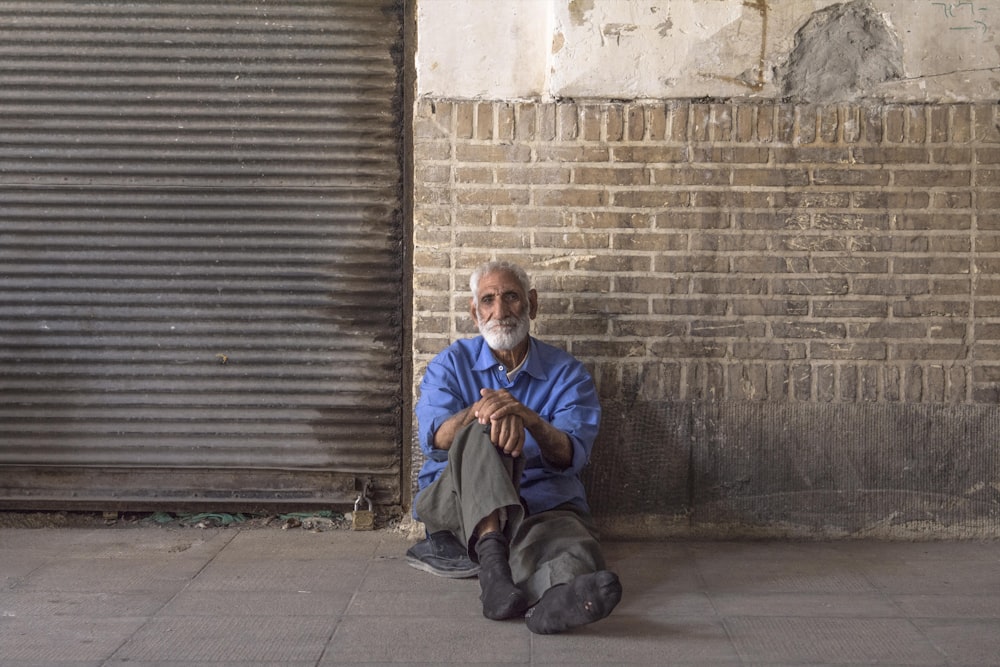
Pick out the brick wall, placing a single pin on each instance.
(745, 252)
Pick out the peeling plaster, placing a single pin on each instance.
(662, 49)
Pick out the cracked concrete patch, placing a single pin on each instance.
(841, 54)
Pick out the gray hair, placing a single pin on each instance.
(495, 266)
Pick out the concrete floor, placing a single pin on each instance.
(227, 596)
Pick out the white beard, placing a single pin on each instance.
(501, 337)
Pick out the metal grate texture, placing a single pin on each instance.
(200, 251)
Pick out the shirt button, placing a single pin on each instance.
(501, 367)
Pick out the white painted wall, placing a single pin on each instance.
(657, 49)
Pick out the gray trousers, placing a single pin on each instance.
(546, 549)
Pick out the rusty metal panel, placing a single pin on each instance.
(200, 251)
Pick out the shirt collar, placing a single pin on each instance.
(533, 366)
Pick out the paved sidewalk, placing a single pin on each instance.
(188, 596)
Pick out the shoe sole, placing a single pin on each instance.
(447, 574)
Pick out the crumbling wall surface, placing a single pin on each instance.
(842, 53)
(890, 50)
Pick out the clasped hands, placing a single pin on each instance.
(504, 417)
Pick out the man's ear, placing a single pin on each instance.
(472, 311)
(532, 304)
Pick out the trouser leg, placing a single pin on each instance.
(553, 548)
(478, 480)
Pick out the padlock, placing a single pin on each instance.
(363, 519)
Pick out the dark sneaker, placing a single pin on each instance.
(442, 555)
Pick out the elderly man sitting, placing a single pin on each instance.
(506, 424)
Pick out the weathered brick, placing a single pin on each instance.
(771, 177)
(895, 125)
(635, 119)
(727, 285)
(848, 381)
(929, 351)
(769, 307)
(531, 217)
(810, 286)
(987, 127)
(826, 383)
(571, 197)
(677, 116)
(727, 329)
(744, 124)
(878, 156)
(747, 382)
(868, 383)
(477, 174)
(563, 153)
(568, 122)
(841, 308)
(493, 239)
(866, 177)
(500, 196)
(579, 240)
(547, 122)
(646, 328)
(892, 200)
(773, 351)
(807, 124)
(925, 265)
(728, 242)
(656, 123)
(961, 123)
(652, 241)
(850, 264)
(850, 221)
(688, 306)
(848, 350)
(692, 220)
(533, 174)
(655, 154)
(611, 176)
(936, 221)
(890, 286)
(938, 124)
(484, 119)
(722, 122)
(614, 122)
(579, 325)
(591, 122)
(800, 382)
(811, 154)
(958, 199)
(951, 156)
(810, 330)
(491, 153)
(930, 308)
(691, 176)
(688, 349)
(701, 122)
(765, 123)
(730, 154)
(851, 124)
(829, 124)
(770, 264)
(654, 198)
(988, 177)
(916, 124)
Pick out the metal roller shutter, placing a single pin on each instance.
(200, 253)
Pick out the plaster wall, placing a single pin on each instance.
(661, 49)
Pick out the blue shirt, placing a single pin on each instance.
(551, 382)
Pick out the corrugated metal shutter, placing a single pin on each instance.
(200, 252)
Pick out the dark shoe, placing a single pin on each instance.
(442, 555)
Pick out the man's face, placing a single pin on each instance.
(502, 311)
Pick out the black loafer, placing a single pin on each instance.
(442, 555)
